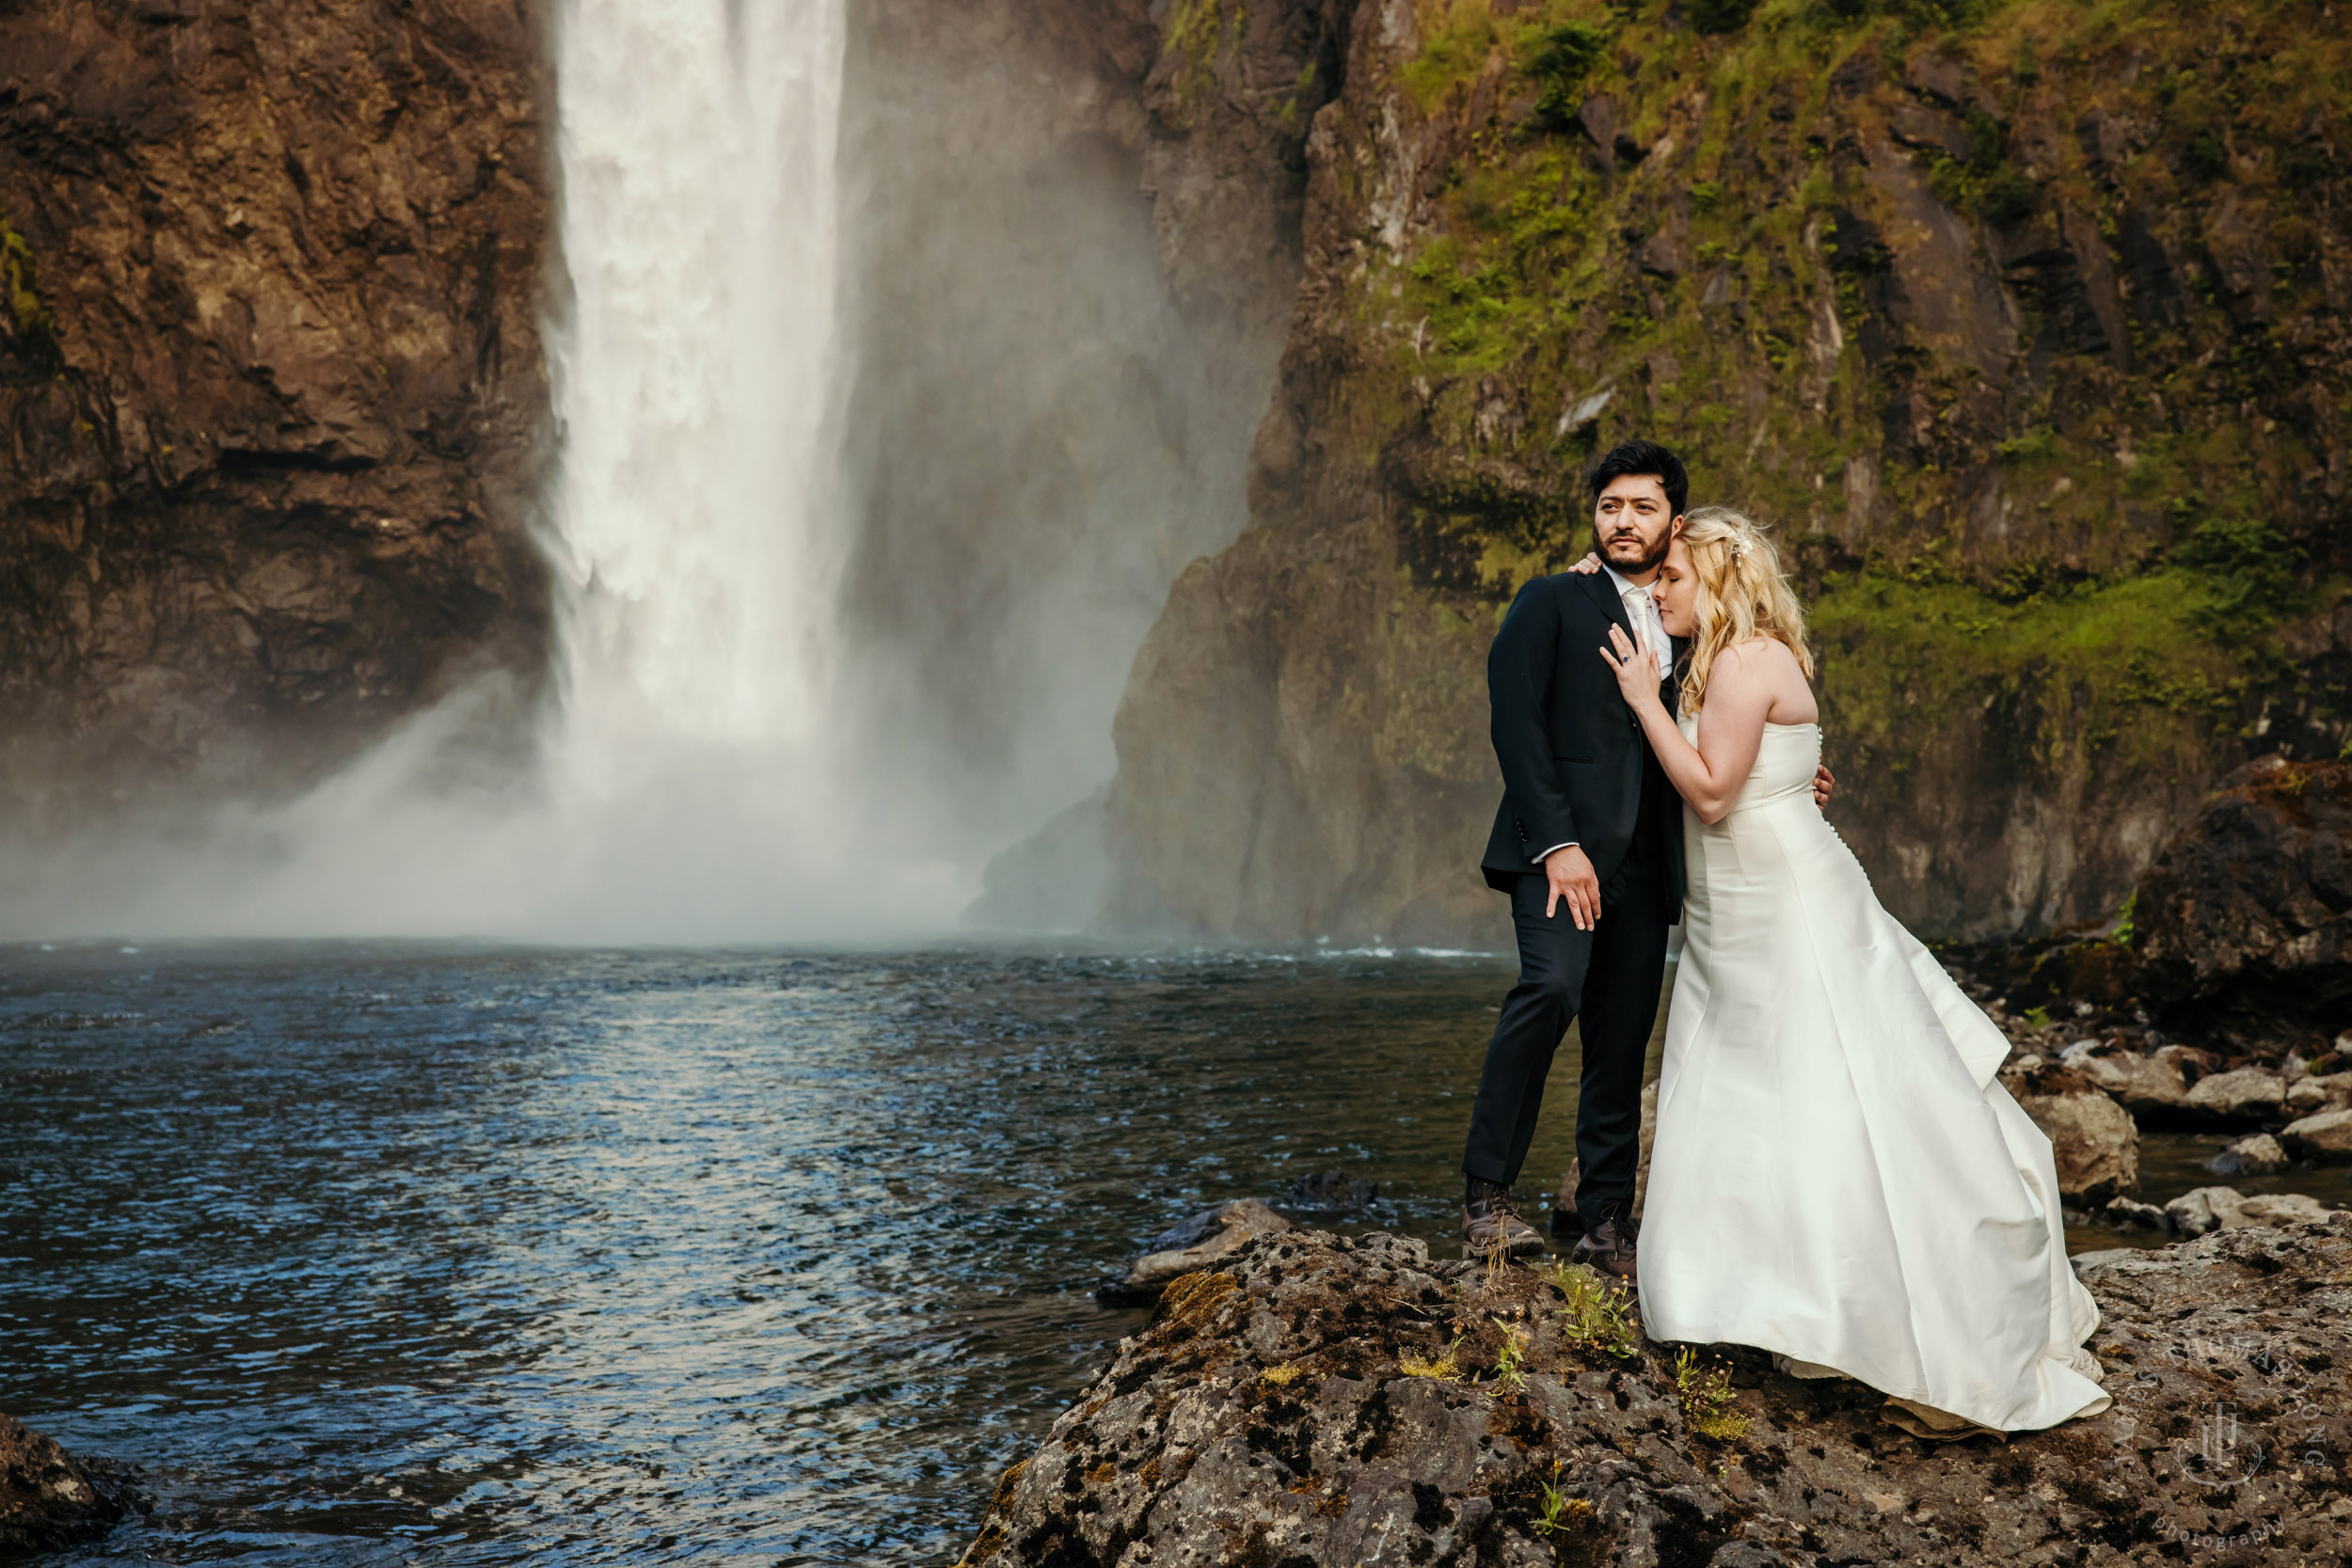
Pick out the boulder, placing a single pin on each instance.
(2094, 1140)
(1319, 1400)
(2249, 1095)
(2205, 1209)
(2142, 1084)
(2325, 1136)
(2128, 1210)
(2209, 1209)
(2331, 1091)
(48, 1498)
(2259, 1155)
(2245, 918)
(2280, 1209)
(1199, 1242)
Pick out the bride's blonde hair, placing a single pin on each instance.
(1742, 594)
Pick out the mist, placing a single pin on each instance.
(882, 435)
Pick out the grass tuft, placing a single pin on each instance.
(1704, 1388)
(1596, 1316)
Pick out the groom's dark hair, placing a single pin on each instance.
(1645, 457)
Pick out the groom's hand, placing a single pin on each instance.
(1571, 879)
(1822, 783)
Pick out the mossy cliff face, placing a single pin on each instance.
(2025, 326)
(270, 379)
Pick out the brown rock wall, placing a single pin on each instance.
(271, 382)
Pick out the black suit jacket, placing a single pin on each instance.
(1571, 751)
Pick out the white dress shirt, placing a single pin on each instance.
(1649, 631)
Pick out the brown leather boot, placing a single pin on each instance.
(1491, 1223)
(1608, 1247)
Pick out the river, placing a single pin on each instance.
(435, 1253)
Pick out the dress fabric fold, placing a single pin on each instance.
(1838, 1177)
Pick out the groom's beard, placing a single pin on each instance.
(1650, 560)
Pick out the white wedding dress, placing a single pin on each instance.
(1837, 1176)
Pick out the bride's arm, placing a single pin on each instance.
(1710, 775)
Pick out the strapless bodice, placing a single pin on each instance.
(1785, 763)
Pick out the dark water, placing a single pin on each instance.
(390, 1254)
(384, 1254)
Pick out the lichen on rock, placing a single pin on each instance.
(1320, 1400)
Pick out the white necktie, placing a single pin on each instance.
(1637, 610)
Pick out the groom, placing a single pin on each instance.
(1588, 844)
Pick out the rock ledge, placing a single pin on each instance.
(1317, 1400)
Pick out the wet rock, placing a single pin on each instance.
(2259, 1155)
(1199, 1242)
(2243, 916)
(1328, 1189)
(48, 1498)
(1321, 1401)
(2248, 1094)
(2325, 1136)
(2094, 1140)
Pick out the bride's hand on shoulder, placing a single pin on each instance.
(1637, 671)
(1587, 566)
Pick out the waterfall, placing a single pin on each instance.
(803, 686)
(700, 231)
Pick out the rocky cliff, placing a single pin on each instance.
(1330, 1400)
(2025, 326)
(270, 378)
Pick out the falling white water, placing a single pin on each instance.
(701, 228)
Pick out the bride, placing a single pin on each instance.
(1837, 1176)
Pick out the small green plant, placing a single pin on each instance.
(1568, 53)
(2124, 926)
(1596, 1317)
(1558, 1510)
(1704, 1388)
(1445, 1368)
(2037, 1018)
(1511, 1360)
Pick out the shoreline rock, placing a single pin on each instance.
(1316, 1399)
(48, 1498)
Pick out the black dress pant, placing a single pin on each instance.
(1610, 977)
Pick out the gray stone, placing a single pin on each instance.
(2308, 1095)
(2202, 1210)
(2325, 1136)
(2249, 1094)
(2128, 1210)
(2094, 1139)
(2140, 1084)
(2283, 1208)
(2259, 1155)
(1207, 1238)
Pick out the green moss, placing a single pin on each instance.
(1197, 32)
(34, 321)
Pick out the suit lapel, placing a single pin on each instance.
(1603, 588)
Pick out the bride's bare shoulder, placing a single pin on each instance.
(1759, 656)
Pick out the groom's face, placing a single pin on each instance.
(1635, 523)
